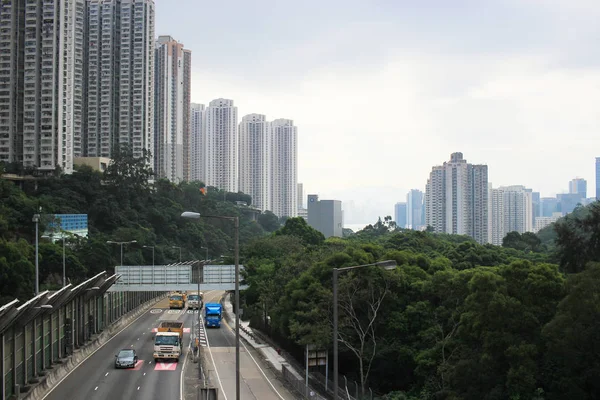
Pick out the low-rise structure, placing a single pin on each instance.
(325, 216)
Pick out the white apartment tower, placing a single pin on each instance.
(255, 160)
(284, 164)
(120, 92)
(172, 110)
(456, 199)
(511, 210)
(41, 82)
(196, 142)
(221, 145)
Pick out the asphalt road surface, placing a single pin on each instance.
(97, 378)
(257, 379)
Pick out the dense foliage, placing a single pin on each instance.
(455, 320)
(121, 206)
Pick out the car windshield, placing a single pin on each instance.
(193, 297)
(166, 340)
(125, 353)
(178, 298)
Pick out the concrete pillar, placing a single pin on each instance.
(2, 369)
(34, 333)
(42, 345)
(51, 338)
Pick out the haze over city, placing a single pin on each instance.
(381, 91)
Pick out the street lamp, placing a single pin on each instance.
(121, 243)
(177, 247)
(236, 221)
(387, 265)
(36, 219)
(205, 248)
(150, 247)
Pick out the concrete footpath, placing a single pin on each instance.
(194, 378)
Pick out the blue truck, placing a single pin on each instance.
(213, 312)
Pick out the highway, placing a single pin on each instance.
(97, 378)
(257, 380)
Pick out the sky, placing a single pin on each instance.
(382, 90)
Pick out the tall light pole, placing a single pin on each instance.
(177, 247)
(236, 221)
(121, 243)
(388, 265)
(205, 248)
(150, 247)
(36, 219)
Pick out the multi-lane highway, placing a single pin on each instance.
(97, 378)
(257, 380)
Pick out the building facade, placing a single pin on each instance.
(414, 209)
(255, 160)
(326, 216)
(221, 145)
(578, 186)
(284, 168)
(400, 214)
(456, 199)
(172, 136)
(197, 112)
(41, 82)
(120, 85)
(510, 210)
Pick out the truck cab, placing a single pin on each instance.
(195, 301)
(167, 345)
(176, 300)
(212, 315)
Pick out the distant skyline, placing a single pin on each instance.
(382, 91)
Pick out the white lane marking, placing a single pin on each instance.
(181, 385)
(106, 374)
(138, 339)
(138, 388)
(91, 354)
(96, 388)
(144, 374)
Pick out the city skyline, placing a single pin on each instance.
(518, 87)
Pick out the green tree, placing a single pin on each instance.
(299, 228)
(268, 221)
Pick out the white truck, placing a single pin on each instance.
(195, 301)
(168, 341)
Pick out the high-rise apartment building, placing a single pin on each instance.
(456, 199)
(414, 209)
(510, 210)
(400, 214)
(255, 160)
(578, 186)
(284, 164)
(221, 145)
(41, 82)
(120, 85)
(172, 110)
(197, 142)
(300, 194)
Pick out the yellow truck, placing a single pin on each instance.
(177, 300)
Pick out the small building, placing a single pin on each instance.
(97, 163)
(325, 216)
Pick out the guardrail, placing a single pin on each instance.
(45, 331)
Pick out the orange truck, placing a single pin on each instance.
(168, 341)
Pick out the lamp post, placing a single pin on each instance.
(36, 219)
(236, 221)
(150, 247)
(388, 265)
(121, 243)
(205, 248)
(177, 247)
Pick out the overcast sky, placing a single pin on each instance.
(382, 90)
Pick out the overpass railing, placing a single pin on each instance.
(48, 328)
